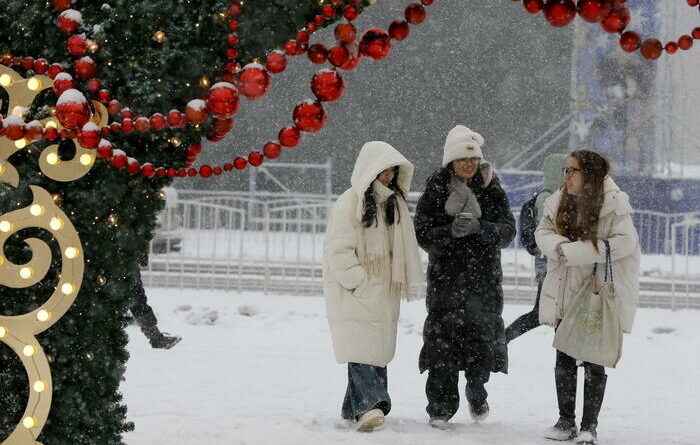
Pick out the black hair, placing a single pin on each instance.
(369, 208)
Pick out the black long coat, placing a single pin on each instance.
(464, 327)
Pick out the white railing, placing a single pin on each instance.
(273, 244)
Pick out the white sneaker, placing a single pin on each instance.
(370, 420)
(439, 423)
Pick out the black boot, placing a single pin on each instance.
(565, 379)
(164, 340)
(593, 393)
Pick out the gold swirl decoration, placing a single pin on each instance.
(19, 331)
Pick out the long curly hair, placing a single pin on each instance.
(369, 208)
(577, 216)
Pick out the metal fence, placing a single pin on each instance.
(273, 243)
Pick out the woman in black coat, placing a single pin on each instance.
(463, 220)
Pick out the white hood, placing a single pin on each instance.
(375, 157)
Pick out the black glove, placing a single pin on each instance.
(464, 226)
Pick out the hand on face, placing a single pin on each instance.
(465, 168)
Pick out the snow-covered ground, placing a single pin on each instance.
(256, 369)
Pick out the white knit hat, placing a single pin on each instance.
(461, 142)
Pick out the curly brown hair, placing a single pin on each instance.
(577, 216)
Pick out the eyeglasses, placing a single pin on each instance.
(569, 171)
(468, 160)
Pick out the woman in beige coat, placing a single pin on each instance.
(587, 211)
(370, 260)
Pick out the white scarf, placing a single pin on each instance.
(395, 245)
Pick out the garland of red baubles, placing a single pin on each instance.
(222, 100)
(614, 17)
(253, 81)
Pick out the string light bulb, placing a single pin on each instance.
(5, 226)
(43, 315)
(204, 82)
(34, 84)
(56, 223)
(29, 350)
(67, 288)
(36, 210)
(3, 331)
(113, 219)
(26, 273)
(86, 159)
(71, 252)
(160, 36)
(5, 80)
(39, 386)
(29, 422)
(52, 158)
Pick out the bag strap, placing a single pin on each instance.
(608, 261)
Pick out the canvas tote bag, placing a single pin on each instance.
(591, 330)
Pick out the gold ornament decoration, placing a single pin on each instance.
(160, 36)
(19, 331)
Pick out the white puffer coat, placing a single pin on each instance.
(362, 313)
(565, 274)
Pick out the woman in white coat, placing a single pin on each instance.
(587, 211)
(370, 260)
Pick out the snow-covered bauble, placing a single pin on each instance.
(69, 20)
(327, 85)
(89, 135)
(559, 12)
(72, 109)
(375, 44)
(15, 128)
(309, 116)
(253, 81)
(62, 82)
(223, 100)
(196, 111)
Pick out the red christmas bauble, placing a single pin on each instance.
(327, 85)
(62, 82)
(254, 81)
(158, 122)
(205, 171)
(104, 149)
(85, 68)
(533, 6)
(15, 128)
(235, 9)
(94, 85)
(68, 21)
(114, 107)
(54, 70)
(399, 30)
(72, 109)
(345, 33)
(414, 13)
(272, 150)
(294, 48)
(338, 55)
(630, 41)
(119, 159)
(289, 137)
(194, 149)
(317, 53)
(276, 62)
(618, 19)
(104, 96)
(303, 36)
(128, 125)
(142, 125)
(222, 100)
(196, 111)
(328, 12)
(133, 166)
(76, 45)
(175, 118)
(41, 66)
(351, 12)
(651, 49)
(375, 44)
(309, 116)
(696, 33)
(671, 47)
(239, 163)
(427, 2)
(255, 158)
(354, 58)
(148, 170)
(61, 5)
(685, 42)
(559, 12)
(89, 136)
(34, 130)
(594, 11)
(221, 126)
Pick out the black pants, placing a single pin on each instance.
(442, 390)
(143, 313)
(367, 389)
(526, 322)
(565, 375)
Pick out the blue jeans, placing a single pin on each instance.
(367, 390)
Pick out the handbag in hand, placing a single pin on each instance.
(591, 330)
